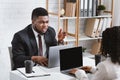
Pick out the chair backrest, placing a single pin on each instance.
(11, 57)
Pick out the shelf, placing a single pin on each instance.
(56, 17)
(78, 20)
(64, 17)
(82, 38)
(69, 39)
(101, 16)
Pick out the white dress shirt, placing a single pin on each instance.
(105, 70)
(43, 42)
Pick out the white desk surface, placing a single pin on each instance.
(55, 73)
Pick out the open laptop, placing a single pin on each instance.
(53, 58)
(70, 58)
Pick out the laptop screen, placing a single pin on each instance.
(71, 58)
(53, 58)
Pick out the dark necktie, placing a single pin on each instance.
(40, 52)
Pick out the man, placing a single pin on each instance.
(27, 45)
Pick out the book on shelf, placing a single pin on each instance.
(96, 11)
(70, 9)
(99, 27)
(94, 7)
(88, 8)
(95, 27)
(96, 47)
(91, 27)
(81, 13)
(71, 1)
(83, 7)
(103, 26)
(106, 24)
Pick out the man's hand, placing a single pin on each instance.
(40, 60)
(61, 35)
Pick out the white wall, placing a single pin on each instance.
(116, 19)
(14, 16)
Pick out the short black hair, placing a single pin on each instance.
(39, 12)
(111, 43)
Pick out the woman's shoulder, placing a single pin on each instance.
(108, 66)
(106, 61)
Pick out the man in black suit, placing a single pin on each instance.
(25, 44)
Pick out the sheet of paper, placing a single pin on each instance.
(37, 72)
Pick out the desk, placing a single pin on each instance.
(55, 73)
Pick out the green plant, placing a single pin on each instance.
(101, 7)
(83, 49)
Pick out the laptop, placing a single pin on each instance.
(70, 58)
(53, 58)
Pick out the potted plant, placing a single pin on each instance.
(83, 49)
(100, 9)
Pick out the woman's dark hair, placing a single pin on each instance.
(111, 43)
(39, 12)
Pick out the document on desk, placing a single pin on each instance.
(37, 72)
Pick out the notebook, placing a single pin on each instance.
(37, 72)
(53, 58)
(70, 58)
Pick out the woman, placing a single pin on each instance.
(110, 68)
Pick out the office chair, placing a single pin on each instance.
(11, 56)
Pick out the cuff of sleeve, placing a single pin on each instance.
(28, 58)
(60, 42)
(80, 74)
(93, 70)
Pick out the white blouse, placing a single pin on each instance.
(105, 70)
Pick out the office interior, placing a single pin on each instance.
(16, 15)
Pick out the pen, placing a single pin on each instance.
(46, 75)
(33, 71)
(39, 75)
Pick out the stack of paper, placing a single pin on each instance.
(37, 72)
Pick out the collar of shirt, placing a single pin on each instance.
(35, 33)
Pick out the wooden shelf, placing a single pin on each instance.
(77, 37)
(101, 16)
(56, 17)
(64, 17)
(82, 38)
(69, 39)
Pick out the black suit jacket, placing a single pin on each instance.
(24, 44)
